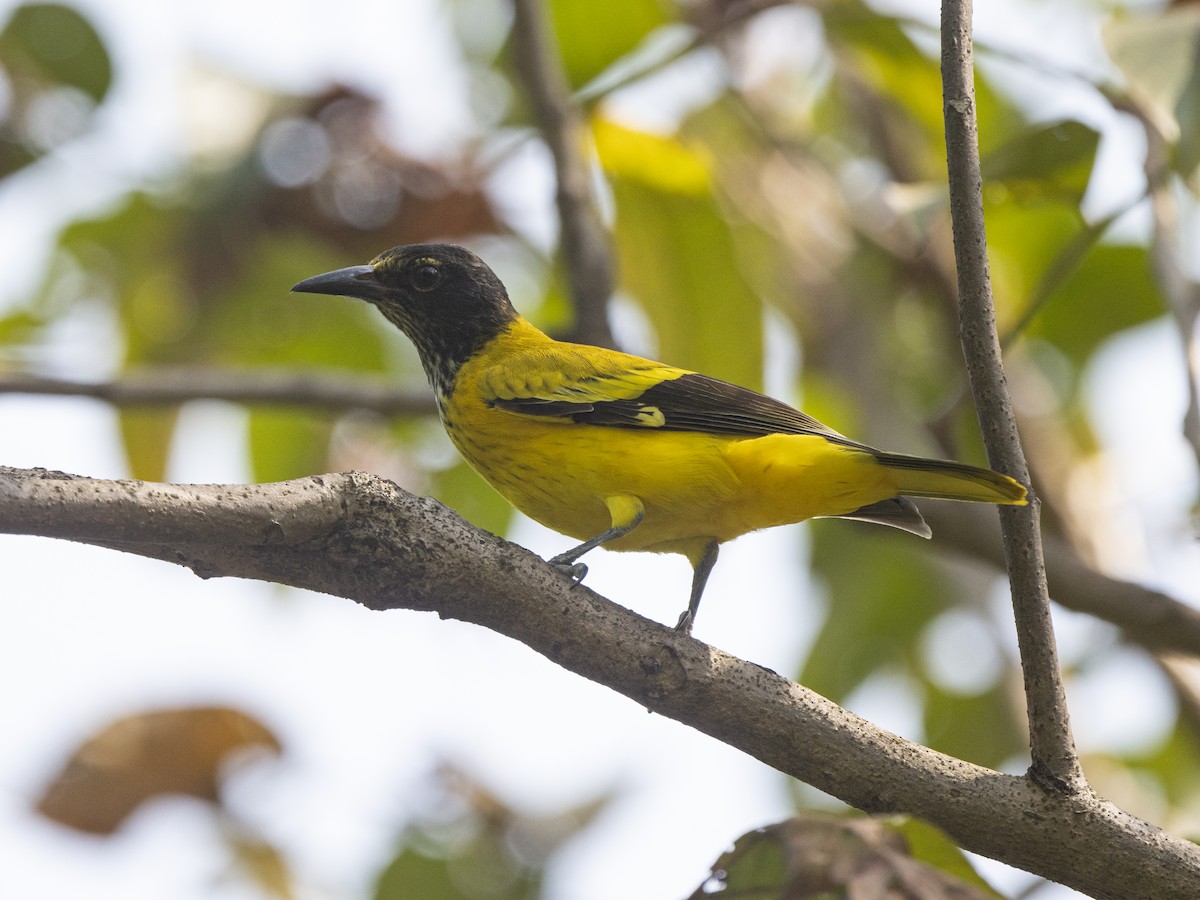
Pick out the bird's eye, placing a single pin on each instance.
(426, 277)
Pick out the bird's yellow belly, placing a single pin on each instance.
(560, 475)
(695, 487)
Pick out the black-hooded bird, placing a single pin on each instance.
(624, 452)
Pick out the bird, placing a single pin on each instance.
(623, 452)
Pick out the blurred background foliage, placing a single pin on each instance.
(795, 197)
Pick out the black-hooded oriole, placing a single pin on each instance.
(625, 452)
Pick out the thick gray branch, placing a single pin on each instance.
(360, 537)
(1055, 762)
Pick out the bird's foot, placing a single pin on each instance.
(684, 624)
(573, 570)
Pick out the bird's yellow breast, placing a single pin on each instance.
(694, 486)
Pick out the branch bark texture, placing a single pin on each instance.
(1055, 763)
(360, 537)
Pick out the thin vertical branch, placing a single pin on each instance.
(584, 239)
(1183, 294)
(1055, 765)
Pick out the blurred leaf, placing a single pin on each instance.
(1187, 111)
(1175, 764)
(1025, 241)
(883, 591)
(756, 866)
(462, 489)
(263, 863)
(982, 729)
(19, 327)
(55, 69)
(1051, 161)
(285, 444)
(472, 844)
(932, 845)
(906, 126)
(138, 758)
(146, 437)
(678, 256)
(1111, 290)
(54, 44)
(256, 321)
(412, 874)
(590, 43)
(823, 856)
(663, 164)
(1159, 53)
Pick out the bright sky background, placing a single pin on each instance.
(367, 703)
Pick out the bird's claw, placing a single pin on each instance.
(685, 622)
(573, 570)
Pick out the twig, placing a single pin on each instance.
(1183, 294)
(361, 537)
(168, 386)
(584, 239)
(1055, 765)
(711, 21)
(1151, 619)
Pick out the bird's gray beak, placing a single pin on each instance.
(354, 281)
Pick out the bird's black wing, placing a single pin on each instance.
(691, 402)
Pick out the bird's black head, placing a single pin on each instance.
(443, 297)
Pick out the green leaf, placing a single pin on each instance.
(1159, 54)
(981, 729)
(1176, 766)
(463, 490)
(20, 327)
(589, 43)
(825, 856)
(55, 69)
(678, 256)
(1024, 242)
(55, 45)
(932, 845)
(411, 874)
(874, 52)
(1052, 161)
(1111, 290)
(285, 444)
(255, 320)
(146, 436)
(883, 591)
(755, 867)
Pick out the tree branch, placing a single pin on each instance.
(1055, 763)
(584, 239)
(168, 386)
(360, 537)
(1151, 619)
(1182, 294)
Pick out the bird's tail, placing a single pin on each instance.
(917, 477)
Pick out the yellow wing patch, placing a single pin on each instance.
(651, 417)
(574, 376)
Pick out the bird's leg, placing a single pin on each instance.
(627, 513)
(702, 566)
